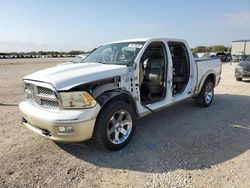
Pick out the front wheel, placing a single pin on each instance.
(205, 98)
(239, 79)
(115, 125)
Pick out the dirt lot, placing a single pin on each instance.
(183, 146)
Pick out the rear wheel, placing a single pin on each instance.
(239, 79)
(205, 98)
(115, 125)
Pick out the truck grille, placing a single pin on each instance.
(49, 103)
(247, 69)
(44, 91)
(42, 96)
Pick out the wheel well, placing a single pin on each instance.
(212, 78)
(112, 96)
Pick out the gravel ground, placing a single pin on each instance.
(182, 146)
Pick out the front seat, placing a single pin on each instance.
(154, 74)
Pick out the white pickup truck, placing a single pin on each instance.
(118, 83)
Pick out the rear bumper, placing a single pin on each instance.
(47, 123)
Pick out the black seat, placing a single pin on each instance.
(179, 64)
(154, 71)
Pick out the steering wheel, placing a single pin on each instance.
(106, 58)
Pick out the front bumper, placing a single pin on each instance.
(46, 123)
(240, 73)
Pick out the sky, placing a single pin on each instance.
(64, 25)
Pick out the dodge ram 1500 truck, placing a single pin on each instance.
(103, 97)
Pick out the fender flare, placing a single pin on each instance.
(117, 94)
(203, 79)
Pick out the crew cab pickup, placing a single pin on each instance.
(103, 97)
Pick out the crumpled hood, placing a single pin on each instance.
(68, 76)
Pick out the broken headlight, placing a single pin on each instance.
(77, 100)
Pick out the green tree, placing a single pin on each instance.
(214, 48)
(200, 49)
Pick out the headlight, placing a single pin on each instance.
(239, 68)
(76, 100)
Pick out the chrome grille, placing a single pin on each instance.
(247, 69)
(44, 91)
(49, 103)
(42, 96)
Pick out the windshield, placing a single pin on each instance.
(116, 53)
(77, 59)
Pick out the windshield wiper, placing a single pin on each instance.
(115, 63)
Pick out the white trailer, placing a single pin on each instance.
(240, 46)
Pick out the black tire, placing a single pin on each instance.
(239, 79)
(109, 110)
(201, 99)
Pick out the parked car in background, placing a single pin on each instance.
(222, 56)
(77, 59)
(229, 57)
(206, 55)
(195, 55)
(243, 69)
(240, 56)
(234, 58)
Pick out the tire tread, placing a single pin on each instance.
(199, 100)
(102, 118)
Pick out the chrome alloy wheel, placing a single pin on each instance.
(119, 127)
(209, 93)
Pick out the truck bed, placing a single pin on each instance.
(206, 66)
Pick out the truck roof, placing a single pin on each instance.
(147, 39)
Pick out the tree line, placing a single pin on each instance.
(215, 48)
(35, 54)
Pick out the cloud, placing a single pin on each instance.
(238, 19)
